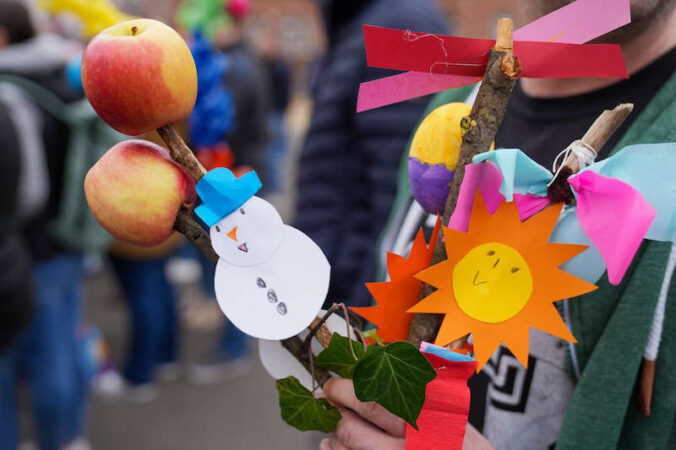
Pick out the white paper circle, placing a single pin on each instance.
(279, 298)
(249, 235)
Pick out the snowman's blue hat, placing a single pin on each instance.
(222, 193)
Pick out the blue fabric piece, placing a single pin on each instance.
(589, 264)
(447, 354)
(73, 77)
(521, 175)
(152, 304)
(214, 113)
(222, 193)
(650, 169)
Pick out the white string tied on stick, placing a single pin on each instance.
(584, 153)
(653, 345)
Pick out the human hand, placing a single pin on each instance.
(369, 426)
(364, 426)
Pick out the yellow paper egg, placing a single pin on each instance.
(438, 138)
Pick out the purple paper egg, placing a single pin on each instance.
(430, 184)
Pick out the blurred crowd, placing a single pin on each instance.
(331, 172)
(49, 243)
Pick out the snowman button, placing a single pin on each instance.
(260, 283)
(281, 308)
(272, 297)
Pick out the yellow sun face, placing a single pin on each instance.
(501, 278)
(492, 282)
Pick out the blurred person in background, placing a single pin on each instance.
(246, 80)
(47, 353)
(153, 310)
(280, 87)
(349, 164)
(16, 288)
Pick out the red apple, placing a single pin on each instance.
(139, 75)
(135, 191)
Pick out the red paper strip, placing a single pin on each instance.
(575, 23)
(443, 419)
(389, 48)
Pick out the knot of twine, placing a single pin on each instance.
(558, 190)
(584, 153)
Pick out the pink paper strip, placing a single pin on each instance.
(529, 205)
(405, 86)
(487, 178)
(614, 216)
(577, 23)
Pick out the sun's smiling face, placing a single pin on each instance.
(492, 282)
(501, 278)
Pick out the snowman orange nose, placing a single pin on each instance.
(232, 234)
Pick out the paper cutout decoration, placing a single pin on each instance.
(434, 154)
(271, 279)
(446, 353)
(620, 200)
(396, 296)
(501, 278)
(280, 363)
(576, 23)
(443, 419)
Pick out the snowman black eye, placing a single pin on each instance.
(241, 210)
(491, 253)
(218, 229)
(515, 269)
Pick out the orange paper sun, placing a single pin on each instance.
(501, 278)
(396, 296)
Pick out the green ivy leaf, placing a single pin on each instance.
(302, 410)
(395, 376)
(338, 358)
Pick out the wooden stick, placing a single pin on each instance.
(181, 153)
(187, 226)
(479, 130)
(295, 346)
(601, 130)
(645, 386)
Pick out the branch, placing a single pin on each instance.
(187, 226)
(295, 346)
(601, 130)
(181, 153)
(479, 130)
(317, 328)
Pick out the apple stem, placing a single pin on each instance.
(134, 30)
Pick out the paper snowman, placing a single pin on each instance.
(271, 279)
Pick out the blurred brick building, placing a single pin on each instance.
(297, 23)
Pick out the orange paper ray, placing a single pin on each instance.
(501, 278)
(395, 297)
